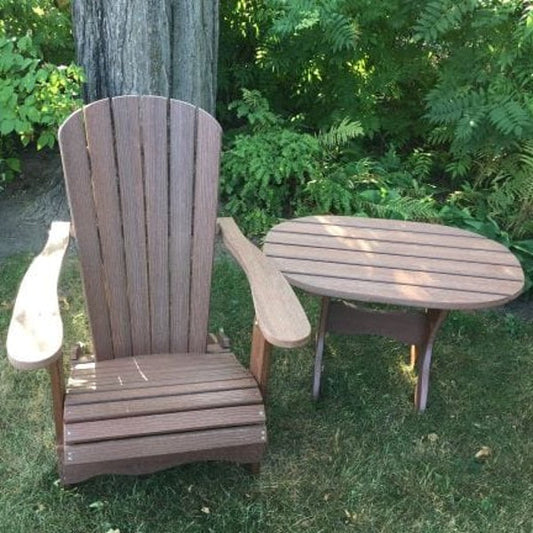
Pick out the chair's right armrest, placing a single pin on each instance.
(35, 334)
(279, 314)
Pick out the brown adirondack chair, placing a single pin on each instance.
(142, 175)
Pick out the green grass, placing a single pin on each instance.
(359, 460)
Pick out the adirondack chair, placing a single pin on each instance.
(141, 176)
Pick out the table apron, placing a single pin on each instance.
(409, 327)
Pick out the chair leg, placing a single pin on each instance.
(260, 359)
(58, 397)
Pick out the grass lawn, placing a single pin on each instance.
(359, 460)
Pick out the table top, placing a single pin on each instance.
(394, 262)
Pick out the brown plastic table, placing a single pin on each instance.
(428, 266)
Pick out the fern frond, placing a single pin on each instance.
(401, 207)
(509, 117)
(420, 164)
(340, 134)
(295, 16)
(459, 167)
(440, 16)
(341, 31)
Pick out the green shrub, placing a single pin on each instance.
(480, 106)
(35, 97)
(273, 170)
(48, 23)
(266, 171)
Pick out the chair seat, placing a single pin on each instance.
(145, 413)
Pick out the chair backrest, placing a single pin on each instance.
(142, 180)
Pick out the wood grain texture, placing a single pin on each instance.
(57, 384)
(175, 422)
(410, 250)
(142, 178)
(435, 318)
(389, 261)
(127, 376)
(463, 240)
(154, 446)
(386, 261)
(199, 375)
(151, 187)
(127, 130)
(163, 404)
(155, 150)
(181, 191)
(260, 359)
(170, 421)
(418, 278)
(319, 346)
(237, 451)
(130, 380)
(77, 172)
(35, 333)
(159, 390)
(208, 140)
(408, 327)
(380, 223)
(279, 313)
(146, 363)
(101, 147)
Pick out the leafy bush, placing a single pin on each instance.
(35, 97)
(273, 170)
(46, 21)
(480, 106)
(325, 60)
(267, 169)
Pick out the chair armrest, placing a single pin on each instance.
(279, 313)
(35, 333)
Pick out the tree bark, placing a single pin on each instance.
(161, 47)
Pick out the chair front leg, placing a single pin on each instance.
(58, 397)
(260, 358)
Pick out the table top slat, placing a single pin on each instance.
(381, 223)
(392, 293)
(472, 241)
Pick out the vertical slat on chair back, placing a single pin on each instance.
(142, 177)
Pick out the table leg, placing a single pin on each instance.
(320, 339)
(423, 355)
(415, 350)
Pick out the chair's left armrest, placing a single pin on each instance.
(279, 313)
(35, 334)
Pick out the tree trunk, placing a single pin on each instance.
(161, 47)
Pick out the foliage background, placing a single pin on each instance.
(37, 88)
(442, 92)
(417, 110)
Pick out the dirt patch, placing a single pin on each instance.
(30, 203)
